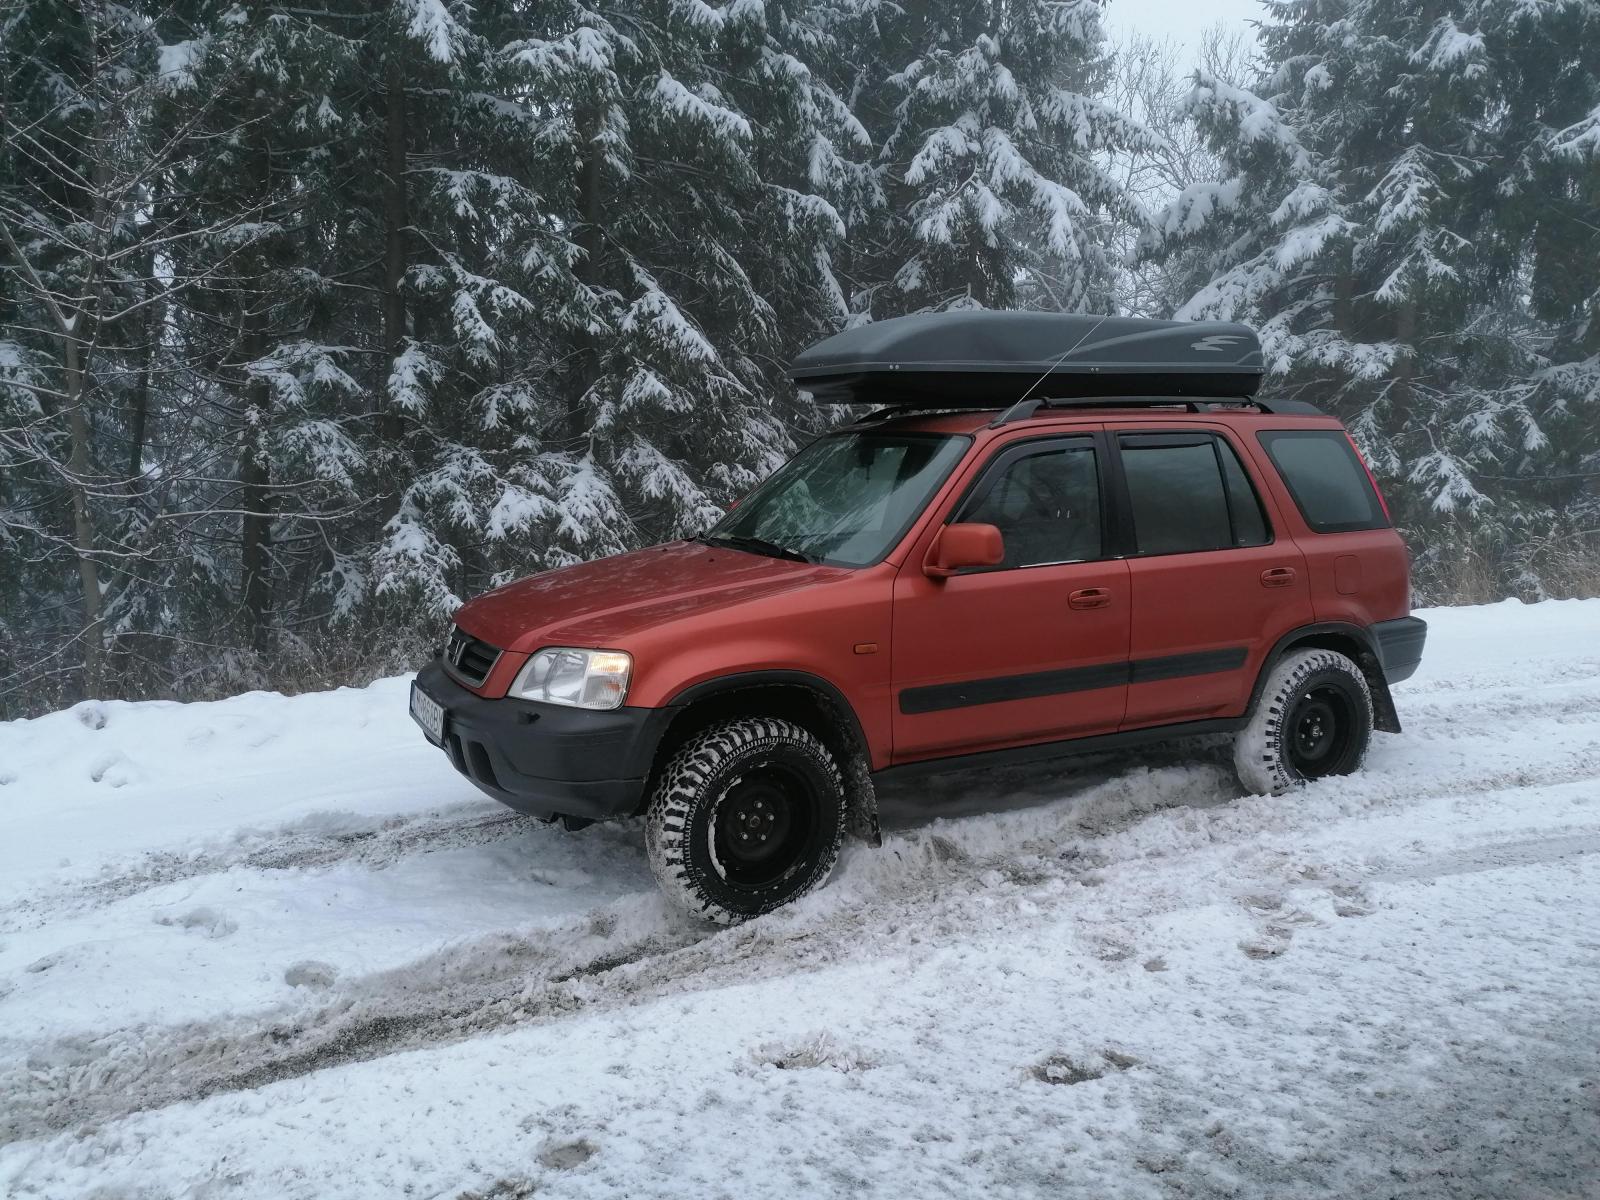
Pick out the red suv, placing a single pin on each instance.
(1059, 534)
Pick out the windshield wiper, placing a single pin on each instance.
(754, 545)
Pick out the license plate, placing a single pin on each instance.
(428, 713)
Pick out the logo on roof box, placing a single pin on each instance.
(1216, 341)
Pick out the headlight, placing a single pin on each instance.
(581, 678)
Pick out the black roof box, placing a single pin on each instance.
(982, 359)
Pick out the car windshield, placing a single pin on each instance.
(844, 500)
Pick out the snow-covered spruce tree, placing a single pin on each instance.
(445, 298)
(990, 144)
(475, 269)
(275, 347)
(373, 338)
(807, 149)
(1389, 185)
(676, 247)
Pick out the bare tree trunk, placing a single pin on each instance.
(255, 467)
(1344, 288)
(396, 262)
(395, 215)
(138, 419)
(83, 533)
(590, 236)
(149, 323)
(1405, 372)
(69, 331)
(255, 476)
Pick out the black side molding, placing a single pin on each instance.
(1176, 666)
(941, 696)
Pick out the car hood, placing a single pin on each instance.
(598, 603)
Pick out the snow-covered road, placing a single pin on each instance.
(274, 947)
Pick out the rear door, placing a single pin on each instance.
(1034, 649)
(1214, 583)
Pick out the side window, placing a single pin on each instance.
(1249, 522)
(1326, 479)
(1045, 504)
(1189, 492)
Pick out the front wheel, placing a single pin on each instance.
(748, 816)
(1314, 719)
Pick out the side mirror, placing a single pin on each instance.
(963, 545)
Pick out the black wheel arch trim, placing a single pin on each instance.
(1384, 715)
(740, 680)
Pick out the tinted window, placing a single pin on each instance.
(1326, 479)
(1175, 485)
(1249, 524)
(845, 499)
(1046, 506)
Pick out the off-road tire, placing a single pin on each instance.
(685, 817)
(1271, 753)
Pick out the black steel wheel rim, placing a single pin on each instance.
(763, 826)
(1320, 730)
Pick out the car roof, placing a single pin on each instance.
(971, 421)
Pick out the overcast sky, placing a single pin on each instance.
(1182, 20)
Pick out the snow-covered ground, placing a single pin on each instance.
(274, 947)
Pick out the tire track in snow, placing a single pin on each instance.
(1441, 709)
(1524, 706)
(627, 951)
(1481, 680)
(1497, 856)
(291, 849)
(632, 949)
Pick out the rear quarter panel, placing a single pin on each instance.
(1359, 577)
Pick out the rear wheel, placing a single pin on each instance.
(1314, 719)
(748, 816)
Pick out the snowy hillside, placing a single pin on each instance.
(275, 947)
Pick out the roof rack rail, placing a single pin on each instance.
(908, 409)
(1023, 409)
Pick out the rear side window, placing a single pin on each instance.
(1326, 479)
(1249, 524)
(1188, 492)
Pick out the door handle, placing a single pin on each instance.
(1089, 598)
(1277, 577)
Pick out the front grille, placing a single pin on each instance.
(469, 659)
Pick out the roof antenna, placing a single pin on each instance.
(1026, 408)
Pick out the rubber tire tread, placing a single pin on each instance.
(1260, 750)
(687, 792)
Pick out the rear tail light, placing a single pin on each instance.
(1371, 478)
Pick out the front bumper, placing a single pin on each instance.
(1400, 646)
(547, 759)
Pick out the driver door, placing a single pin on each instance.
(1032, 650)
